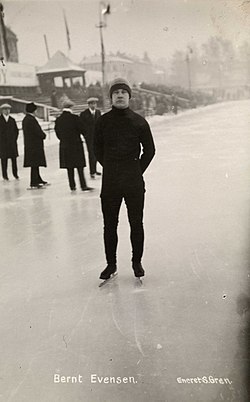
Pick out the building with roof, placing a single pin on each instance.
(134, 69)
(60, 72)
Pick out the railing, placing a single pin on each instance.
(183, 102)
(19, 106)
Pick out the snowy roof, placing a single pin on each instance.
(59, 63)
(108, 59)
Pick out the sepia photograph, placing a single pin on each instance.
(125, 200)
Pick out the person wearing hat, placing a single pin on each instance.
(124, 146)
(88, 119)
(34, 155)
(71, 153)
(8, 141)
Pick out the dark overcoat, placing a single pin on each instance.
(68, 131)
(88, 123)
(8, 138)
(33, 135)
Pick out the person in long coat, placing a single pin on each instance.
(8, 141)
(34, 155)
(71, 153)
(88, 120)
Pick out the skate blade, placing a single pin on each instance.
(104, 281)
(138, 281)
(36, 188)
(139, 285)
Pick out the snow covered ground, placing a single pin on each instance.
(64, 339)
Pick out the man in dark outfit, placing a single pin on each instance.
(53, 99)
(88, 119)
(34, 155)
(124, 146)
(8, 141)
(71, 152)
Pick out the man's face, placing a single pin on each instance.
(6, 112)
(92, 105)
(120, 98)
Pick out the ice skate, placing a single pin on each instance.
(109, 273)
(38, 187)
(87, 189)
(45, 183)
(138, 270)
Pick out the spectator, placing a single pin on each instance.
(71, 153)
(8, 141)
(34, 155)
(88, 120)
(53, 99)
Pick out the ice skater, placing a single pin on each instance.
(124, 146)
(71, 153)
(34, 155)
(88, 119)
(8, 141)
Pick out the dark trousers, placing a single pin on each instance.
(134, 201)
(92, 158)
(4, 163)
(71, 177)
(35, 177)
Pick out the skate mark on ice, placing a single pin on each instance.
(116, 322)
(197, 258)
(114, 319)
(195, 263)
(138, 344)
(206, 272)
(50, 313)
(64, 340)
(194, 271)
(15, 391)
(74, 329)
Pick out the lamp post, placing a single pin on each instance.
(46, 46)
(103, 11)
(189, 51)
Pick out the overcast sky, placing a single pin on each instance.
(157, 26)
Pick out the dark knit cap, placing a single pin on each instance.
(119, 83)
(30, 107)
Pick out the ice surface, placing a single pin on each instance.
(56, 321)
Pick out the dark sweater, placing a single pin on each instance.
(120, 136)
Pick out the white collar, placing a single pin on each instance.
(6, 117)
(67, 109)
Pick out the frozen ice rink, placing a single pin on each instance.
(121, 342)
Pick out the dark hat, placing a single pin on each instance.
(5, 106)
(30, 107)
(119, 83)
(92, 99)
